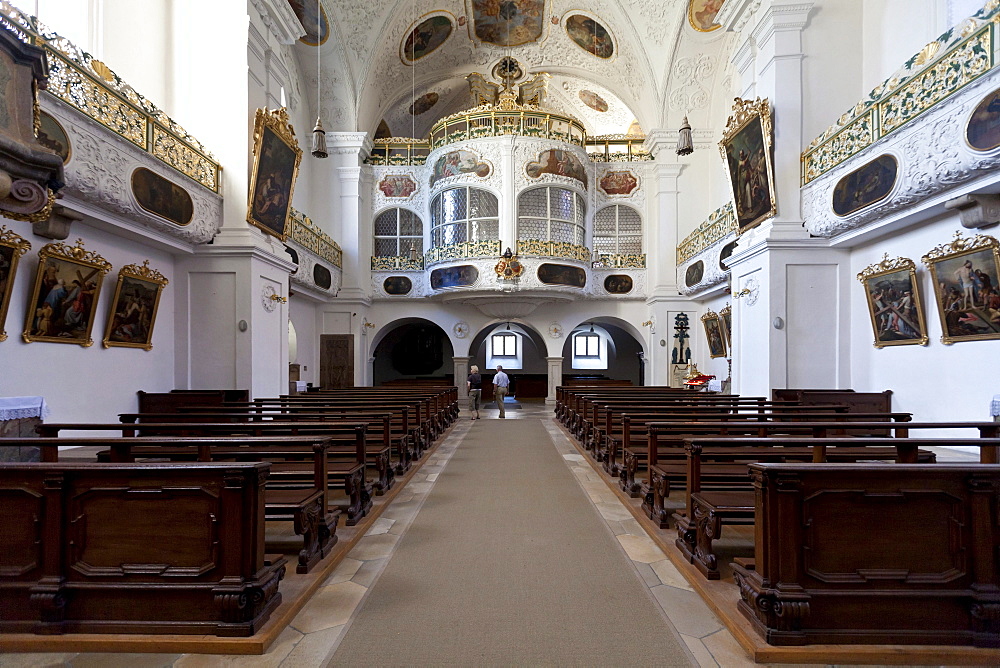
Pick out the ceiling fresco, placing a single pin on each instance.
(508, 22)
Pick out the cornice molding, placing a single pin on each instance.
(280, 20)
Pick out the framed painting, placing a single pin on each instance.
(64, 298)
(275, 167)
(133, 309)
(12, 247)
(983, 129)
(746, 150)
(894, 302)
(966, 287)
(866, 185)
(713, 332)
(726, 320)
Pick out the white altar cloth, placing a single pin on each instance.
(15, 408)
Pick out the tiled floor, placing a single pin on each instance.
(314, 634)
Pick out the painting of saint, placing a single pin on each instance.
(454, 163)
(983, 131)
(162, 197)
(396, 185)
(618, 183)
(694, 274)
(593, 100)
(426, 37)
(454, 277)
(559, 162)
(508, 22)
(618, 284)
(52, 136)
(133, 313)
(274, 179)
(701, 14)
(750, 175)
(894, 306)
(713, 332)
(865, 186)
(590, 35)
(967, 287)
(424, 103)
(397, 285)
(312, 16)
(64, 299)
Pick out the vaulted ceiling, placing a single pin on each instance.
(612, 63)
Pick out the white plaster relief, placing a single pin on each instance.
(303, 276)
(714, 273)
(689, 74)
(933, 157)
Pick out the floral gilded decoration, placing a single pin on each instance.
(462, 251)
(91, 87)
(720, 223)
(957, 58)
(400, 263)
(621, 261)
(307, 234)
(559, 249)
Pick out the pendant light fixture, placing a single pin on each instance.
(685, 142)
(319, 133)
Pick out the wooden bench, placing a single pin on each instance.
(136, 548)
(893, 555)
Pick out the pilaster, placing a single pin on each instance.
(555, 366)
(347, 150)
(461, 370)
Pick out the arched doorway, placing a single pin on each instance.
(604, 348)
(520, 350)
(412, 348)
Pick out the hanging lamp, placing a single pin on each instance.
(319, 134)
(685, 142)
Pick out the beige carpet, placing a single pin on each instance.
(508, 563)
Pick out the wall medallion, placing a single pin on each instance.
(559, 162)
(866, 185)
(397, 285)
(397, 185)
(695, 272)
(162, 197)
(618, 183)
(618, 284)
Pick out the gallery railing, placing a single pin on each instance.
(617, 148)
(606, 148)
(89, 86)
(308, 235)
(463, 251)
(620, 261)
(957, 58)
(555, 249)
(479, 123)
(720, 223)
(397, 263)
(399, 151)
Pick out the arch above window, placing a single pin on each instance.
(550, 213)
(396, 231)
(618, 230)
(464, 214)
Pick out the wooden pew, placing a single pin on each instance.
(894, 555)
(136, 548)
(708, 509)
(568, 397)
(168, 402)
(349, 445)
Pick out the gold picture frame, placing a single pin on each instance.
(726, 319)
(894, 304)
(713, 332)
(966, 287)
(746, 148)
(275, 168)
(64, 297)
(134, 307)
(12, 247)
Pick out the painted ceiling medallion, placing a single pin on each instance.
(508, 22)
(593, 100)
(702, 13)
(427, 36)
(424, 103)
(316, 25)
(590, 35)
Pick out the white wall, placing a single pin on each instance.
(91, 384)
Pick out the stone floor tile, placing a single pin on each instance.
(613, 512)
(46, 660)
(632, 526)
(641, 548)
(647, 574)
(380, 526)
(114, 660)
(669, 575)
(330, 606)
(282, 646)
(687, 611)
(315, 649)
(368, 572)
(419, 487)
(374, 547)
(573, 457)
(700, 652)
(726, 651)
(402, 497)
(344, 571)
(616, 528)
(432, 477)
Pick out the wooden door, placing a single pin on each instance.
(336, 361)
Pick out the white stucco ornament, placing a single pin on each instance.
(555, 330)
(461, 329)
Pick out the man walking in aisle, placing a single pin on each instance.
(500, 384)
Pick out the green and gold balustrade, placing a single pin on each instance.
(957, 58)
(307, 234)
(720, 223)
(399, 151)
(620, 261)
(465, 250)
(553, 249)
(397, 263)
(617, 148)
(90, 87)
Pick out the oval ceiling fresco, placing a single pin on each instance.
(425, 38)
(590, 35)
(424, 103)
(593, 100)
(508, 22)
(701, 14)
(316, 25)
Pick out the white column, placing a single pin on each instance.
(555, 365)
(461, 373)
(661, 253)
(348, 150)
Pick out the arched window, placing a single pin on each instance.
(587, 345)
(396, 230)
(551, 214)
(464, 214)
(617, 230)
